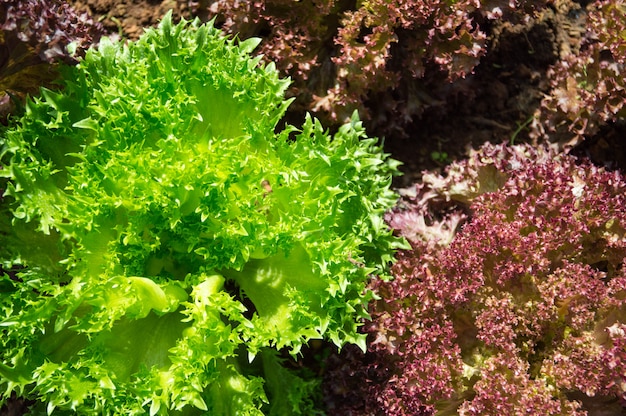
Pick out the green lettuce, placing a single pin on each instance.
(165, 244)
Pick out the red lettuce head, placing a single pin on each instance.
(512, 299)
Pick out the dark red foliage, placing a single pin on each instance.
(35, 35)
(372, 56)
(49, 27)
(513, 298)
(588, 89)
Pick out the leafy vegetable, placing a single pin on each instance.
(511, 300)
(167, 243)
(587, 87)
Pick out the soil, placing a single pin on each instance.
(128, 17)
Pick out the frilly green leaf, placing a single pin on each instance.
(167, 239)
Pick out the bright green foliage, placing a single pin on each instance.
(165, 241)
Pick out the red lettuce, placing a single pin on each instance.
(34, 36)
(588, 88)
(384, 58)
(512, 299)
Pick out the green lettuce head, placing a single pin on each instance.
(164, 243)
